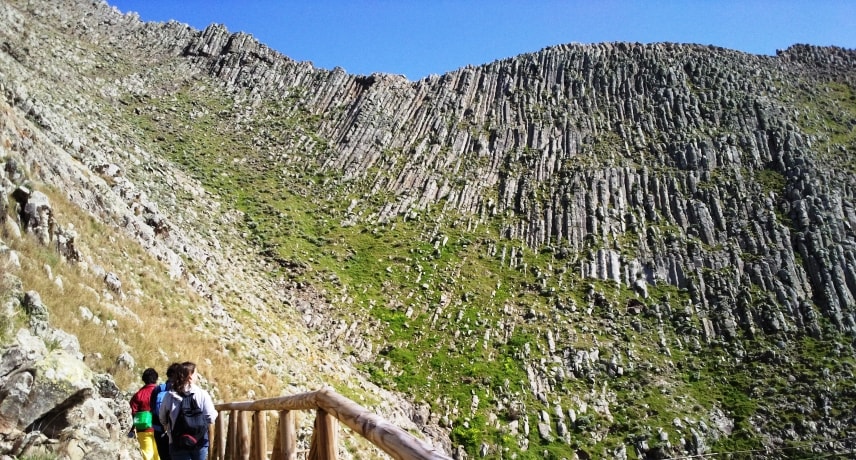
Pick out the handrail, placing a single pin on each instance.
(329, 405)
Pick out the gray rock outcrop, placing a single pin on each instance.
(691, 209)
(51, 403)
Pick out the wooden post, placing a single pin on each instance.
(232, 439)
(276, 451)
(243, 450)
(212, 431)
(288, 434)
(258, 449)
(213, 439)
(324, 444)
(218, 441)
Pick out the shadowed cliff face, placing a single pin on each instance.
(643, 248)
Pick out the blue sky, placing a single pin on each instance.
(418, 38)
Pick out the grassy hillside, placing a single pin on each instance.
(461, 314)
(291, 271)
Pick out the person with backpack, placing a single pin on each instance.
(158, 394)
(187, 411)
(141, 411)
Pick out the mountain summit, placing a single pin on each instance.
(617, 250)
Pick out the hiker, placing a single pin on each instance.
(184, 398)
(158, 394)
(141, 410)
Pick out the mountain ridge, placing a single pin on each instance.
(591, 212)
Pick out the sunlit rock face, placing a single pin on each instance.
(675, 223)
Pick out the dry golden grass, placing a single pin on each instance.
(158, 325)
(157, 322)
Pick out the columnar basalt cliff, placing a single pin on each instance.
(596, 141)
(618, 249)
(611, 139)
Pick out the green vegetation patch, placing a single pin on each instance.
(463, 319)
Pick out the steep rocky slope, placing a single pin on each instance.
(616, 250)
(191, 270)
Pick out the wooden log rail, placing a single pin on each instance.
(239, 442)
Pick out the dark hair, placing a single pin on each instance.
(172, 371)
(150, 376)
(182, 378)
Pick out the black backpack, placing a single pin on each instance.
(191, 425)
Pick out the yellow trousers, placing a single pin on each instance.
(147, 445)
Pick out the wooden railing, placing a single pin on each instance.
(241, 443)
